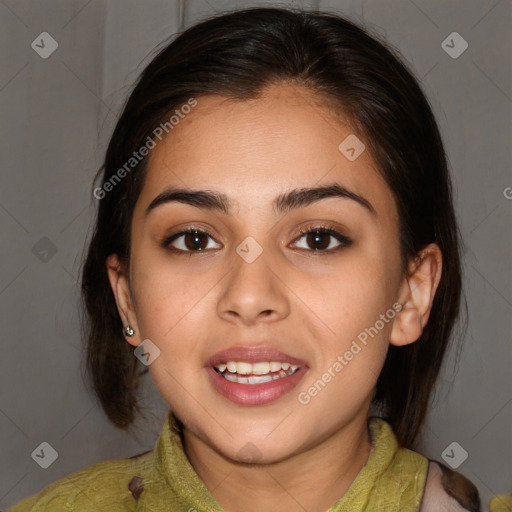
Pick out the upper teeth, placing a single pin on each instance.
(260, 368)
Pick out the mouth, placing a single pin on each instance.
(254, 375)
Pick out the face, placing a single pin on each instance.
(270, 275)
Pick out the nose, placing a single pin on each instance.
(253, 292)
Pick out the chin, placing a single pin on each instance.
(257, 451)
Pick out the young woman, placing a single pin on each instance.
(276, 244)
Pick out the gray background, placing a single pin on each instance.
(56, 117)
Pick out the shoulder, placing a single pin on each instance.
(106, 486)
(448, 491)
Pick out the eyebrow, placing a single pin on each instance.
(294, 199)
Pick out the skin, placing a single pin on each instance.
(192, 306)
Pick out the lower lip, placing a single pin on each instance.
(255, 394)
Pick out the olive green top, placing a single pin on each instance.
(162, 480)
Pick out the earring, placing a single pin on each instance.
(128, 331)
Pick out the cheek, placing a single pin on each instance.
(351, 296)
(167, 299)
(169, 311)
(358, 310)
(351, 354)
(174, 310)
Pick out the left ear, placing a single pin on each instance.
(416, 295)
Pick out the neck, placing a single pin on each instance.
(312, 480)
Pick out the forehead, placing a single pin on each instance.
(252, 150)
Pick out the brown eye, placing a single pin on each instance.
(191, 240)
(322, 239)
(317, 240)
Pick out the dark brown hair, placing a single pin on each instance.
(237, 55)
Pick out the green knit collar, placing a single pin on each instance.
(392, 479)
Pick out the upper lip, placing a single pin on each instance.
(253, 354)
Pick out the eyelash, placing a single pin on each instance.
(320, 229)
